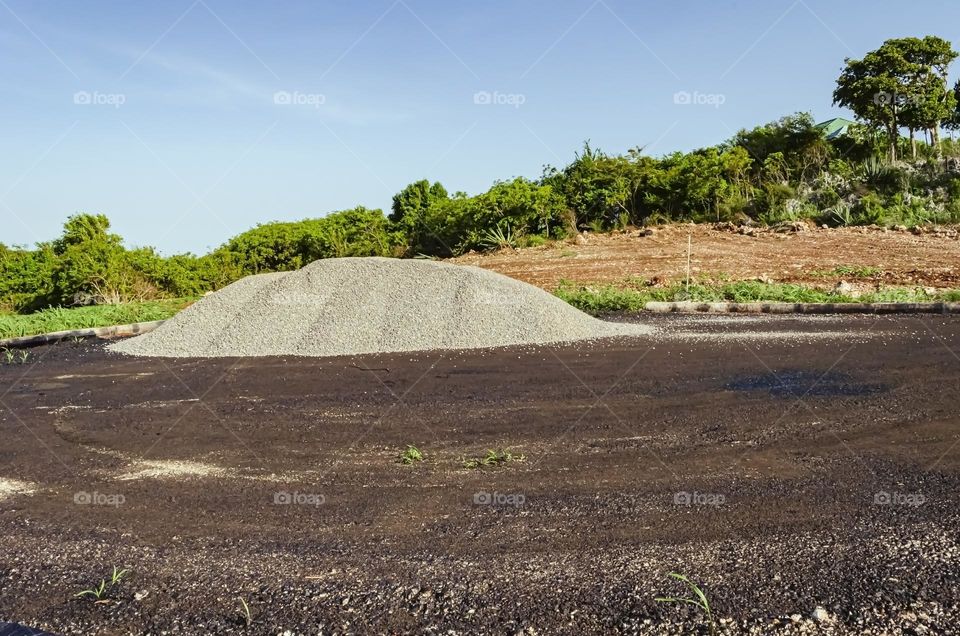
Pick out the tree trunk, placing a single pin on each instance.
(893, 132)
(913, 144)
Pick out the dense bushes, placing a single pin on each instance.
(783, 171)
(432, 222)
(88, 265)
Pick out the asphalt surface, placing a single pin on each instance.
(803, 471)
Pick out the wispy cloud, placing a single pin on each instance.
(189, 81)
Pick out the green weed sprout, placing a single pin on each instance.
(493, 458)
(99, 593)
(245, 610)
(410, 455)
(117, 575)
(699, 599)
(96, 592)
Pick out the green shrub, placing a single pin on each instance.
(869, 210)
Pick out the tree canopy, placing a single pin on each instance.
(902, 84)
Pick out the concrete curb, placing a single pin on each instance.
(95, 332)
(803, 308)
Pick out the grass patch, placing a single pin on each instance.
(61, 319)
(596, 299)
(849, 271)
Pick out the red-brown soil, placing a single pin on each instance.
(931, 259)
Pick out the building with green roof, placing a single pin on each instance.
(837, 127)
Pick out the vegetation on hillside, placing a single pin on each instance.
(784, 171)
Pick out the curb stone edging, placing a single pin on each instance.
(803, 308)
(114, 331)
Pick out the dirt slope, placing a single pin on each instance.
(902, 258)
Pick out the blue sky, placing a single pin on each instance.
(189, 121)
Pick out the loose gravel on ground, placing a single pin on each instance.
(370, 305)
(807, 487)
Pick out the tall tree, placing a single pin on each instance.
(930, 98)
(952, 120)
(411, 208)
(901, 84)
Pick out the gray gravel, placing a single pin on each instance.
(370, 305)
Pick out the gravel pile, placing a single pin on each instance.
(370, 305)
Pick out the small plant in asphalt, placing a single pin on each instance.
(15, 357)
(493, 458)
(96, 592)
(117, 575)
(100, 594)
(698, 599)
(410, 455)
(245, 612)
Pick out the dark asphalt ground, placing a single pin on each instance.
(784, 464)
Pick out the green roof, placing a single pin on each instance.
(837, 127)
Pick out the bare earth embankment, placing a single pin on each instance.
(811, 257)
